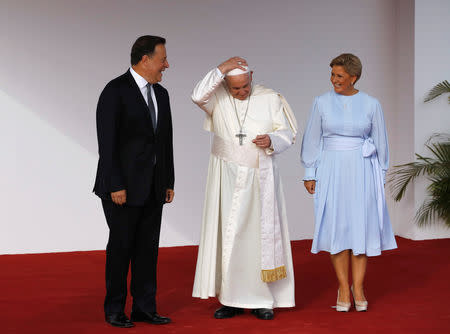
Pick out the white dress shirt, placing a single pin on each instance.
(142, 84)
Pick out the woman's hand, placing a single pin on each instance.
(310, 186)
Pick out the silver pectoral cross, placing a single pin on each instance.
(241, 136)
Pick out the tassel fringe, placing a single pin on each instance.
(273, 274)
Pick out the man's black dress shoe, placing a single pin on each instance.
(152, 318)
(227, 312)
(118, 320)
(263, 313)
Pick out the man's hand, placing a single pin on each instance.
(119, 197)
(310, 186)
(169, 195)
(262, 141)
(231, 64)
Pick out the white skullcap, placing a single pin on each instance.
(238, 71)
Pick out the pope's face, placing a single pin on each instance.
(156, 64)
(239, 85)
(341, 80)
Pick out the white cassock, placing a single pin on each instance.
(244, 255)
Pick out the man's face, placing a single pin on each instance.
(156, 64)
(239, 85)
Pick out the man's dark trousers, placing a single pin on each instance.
(133, 236)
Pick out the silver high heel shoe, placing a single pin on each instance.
(360, 306)
(341, 306)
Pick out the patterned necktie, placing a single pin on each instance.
(151, 106)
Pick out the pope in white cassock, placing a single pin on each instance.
(244, 256)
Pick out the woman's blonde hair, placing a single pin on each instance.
(351, 64)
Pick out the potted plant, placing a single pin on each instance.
(435, 167)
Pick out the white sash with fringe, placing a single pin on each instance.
(249, 155)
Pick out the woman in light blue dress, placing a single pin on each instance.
(345, 155)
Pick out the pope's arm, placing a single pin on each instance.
(203, 94)
(282, 136)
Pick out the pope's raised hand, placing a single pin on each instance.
(231, 64)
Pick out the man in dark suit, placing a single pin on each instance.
(135, 177)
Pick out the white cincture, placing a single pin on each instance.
(368, 151)
(245, 155)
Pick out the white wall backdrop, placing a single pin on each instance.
(402, 136)
(58, 55)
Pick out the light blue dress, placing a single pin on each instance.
(345, 149)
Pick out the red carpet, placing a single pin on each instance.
(408, 292)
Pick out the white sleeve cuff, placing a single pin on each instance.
(310, 174)
(220, 74)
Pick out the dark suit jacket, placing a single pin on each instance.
(128, 145)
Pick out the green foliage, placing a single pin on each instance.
(436, 168)
(440, 88)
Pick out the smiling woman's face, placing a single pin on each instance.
(342, 81)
